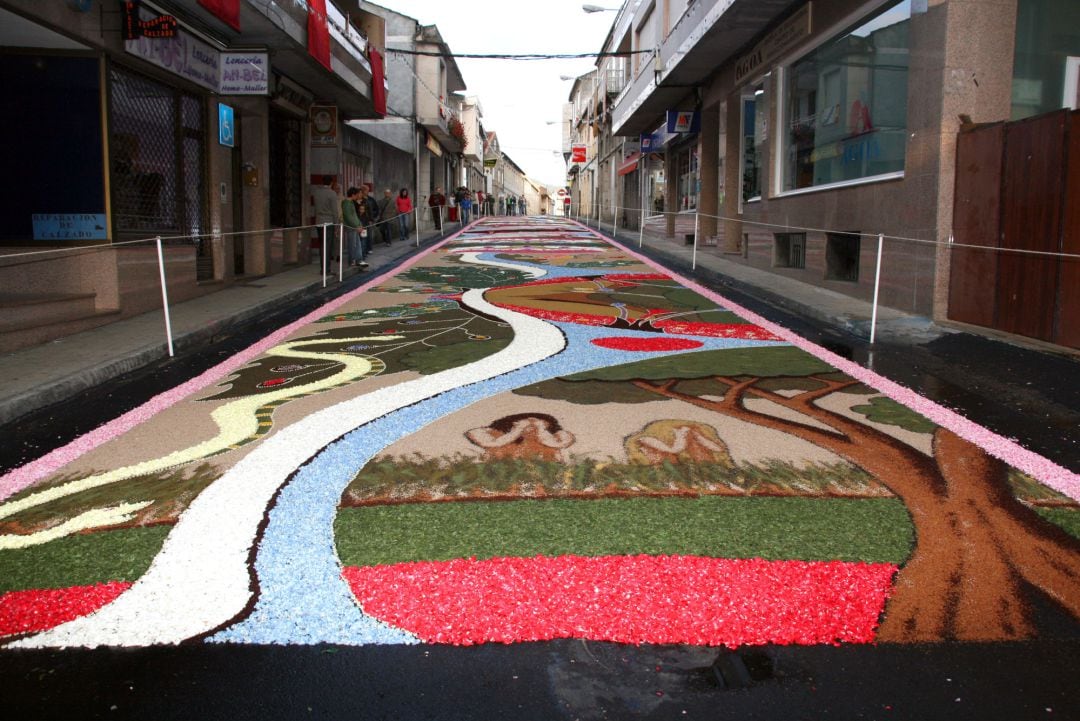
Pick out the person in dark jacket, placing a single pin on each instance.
(437, 201)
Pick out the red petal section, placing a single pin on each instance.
(628, 599)
(37, 610)
(646, 344)
(743, 331)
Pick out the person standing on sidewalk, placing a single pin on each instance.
(351, 220)
(465, 205)
(325, 204)
(369, 213)
(404, 207)
(387, 213)
(437, 201)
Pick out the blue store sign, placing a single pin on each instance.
(226, 125)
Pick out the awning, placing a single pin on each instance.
(629, 165)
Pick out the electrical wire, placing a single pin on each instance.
(520, 56)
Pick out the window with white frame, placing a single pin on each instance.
(845, 104)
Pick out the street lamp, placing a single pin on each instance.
(597, 9)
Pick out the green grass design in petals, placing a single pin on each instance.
(874, 530)
(83, 559)
(1067, 518)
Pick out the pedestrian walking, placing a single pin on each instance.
(511, 205)
(404, 207)
(437, 201)
(350, 219)
(387, 213)
(523, 206)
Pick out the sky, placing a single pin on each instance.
(519, 97)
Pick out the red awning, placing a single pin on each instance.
(629, 165)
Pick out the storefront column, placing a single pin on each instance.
(708, 199)
(733, 241)
(671, 192)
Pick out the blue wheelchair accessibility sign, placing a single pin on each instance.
(226, 126)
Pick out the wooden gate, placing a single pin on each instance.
(1014, 182)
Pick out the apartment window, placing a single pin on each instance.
(845, 104)
(753, 136)
(1047, 57)
(842, 256)
(789, 250)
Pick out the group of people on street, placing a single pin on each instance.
(365, 218)
(468, 202)
(362, 216)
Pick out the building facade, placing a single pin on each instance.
(797, 131)
(164, 119)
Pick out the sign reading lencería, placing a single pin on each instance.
(244, 74)
(226, 73)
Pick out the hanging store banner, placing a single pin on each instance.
(244, 74)
(578, 154)
(683, 121)
(324, 126)
(629, 165)
(433, 145)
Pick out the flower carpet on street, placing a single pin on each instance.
(526, 433)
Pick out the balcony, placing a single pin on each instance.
(280, 26)
(708, 34)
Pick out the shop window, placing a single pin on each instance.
(286, 183)
(842, 256)
(789, 250)
(845, 104)
(688, 178)
(753, 135)
(157, 139)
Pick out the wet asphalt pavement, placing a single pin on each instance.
(1030, 396)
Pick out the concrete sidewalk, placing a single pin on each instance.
(825, 306)
(40, 376)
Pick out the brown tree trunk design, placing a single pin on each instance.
(977, 548)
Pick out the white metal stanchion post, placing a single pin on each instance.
(615, 227)
(341, 253)
(324, 255)
(693, 263)
(641, 230)
(164, 295)
(877, 287)
(417, 228)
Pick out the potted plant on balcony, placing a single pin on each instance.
(457, 131)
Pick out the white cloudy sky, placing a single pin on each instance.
(518, 97)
